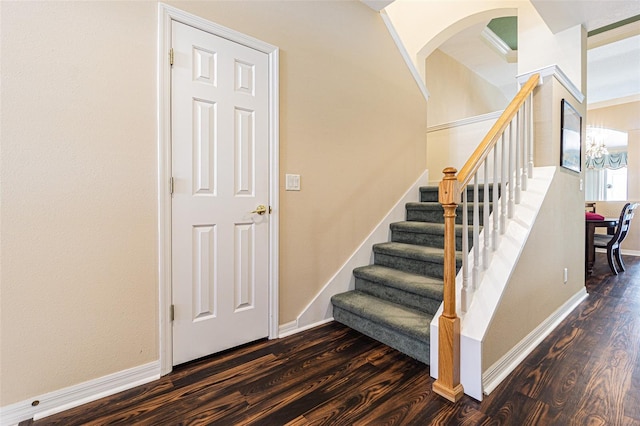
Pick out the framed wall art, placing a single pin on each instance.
(570, 138)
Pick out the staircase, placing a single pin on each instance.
(395, 298)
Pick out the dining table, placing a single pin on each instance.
(590, 229)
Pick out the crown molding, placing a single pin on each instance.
(499, 46)
(555, 71)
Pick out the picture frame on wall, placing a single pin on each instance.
(570, 138)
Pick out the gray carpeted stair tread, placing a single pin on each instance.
(395, 298)
(412, 251)
(404, 320)
(431, 212)
(416, 259)
(423, 227)
(425, 234)
(415, 348)
(412, 283)
(430, 205)
(430, 193)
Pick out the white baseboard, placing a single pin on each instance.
(287, 328)
(73, 396)
(505, 365)
(291, 328)
(319, 309)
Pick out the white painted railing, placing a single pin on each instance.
(502, 175)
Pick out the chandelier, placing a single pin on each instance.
(595, 145)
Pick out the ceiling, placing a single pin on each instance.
(613, 58)
(564, 14)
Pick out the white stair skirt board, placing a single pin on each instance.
(291, 328)
(73, 396)
(505, 365)
(474, 323)
(319, 310)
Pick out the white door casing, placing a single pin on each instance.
(222, 116)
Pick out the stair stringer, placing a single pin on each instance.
(319, 310)
(493, 281)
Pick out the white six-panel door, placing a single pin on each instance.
(220, 169)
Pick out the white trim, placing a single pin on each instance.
(405, 55)
(319, 309)
(493, 281)
(505, 365)
(553, 70)
(499, 46)
(164, 202)
(73, 396)
(377, 5)
(274, 191)
(466, 121)
(291, 328)
(287, 328)
(613, 102)
(166, 14)
(611, 36)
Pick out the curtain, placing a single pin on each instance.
(594, 184)
(613, 161)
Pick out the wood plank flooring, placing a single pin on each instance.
(587, 372)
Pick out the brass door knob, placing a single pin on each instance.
(260, 210)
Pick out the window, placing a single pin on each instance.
(606, 165)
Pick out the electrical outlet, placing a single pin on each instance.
(292, 183)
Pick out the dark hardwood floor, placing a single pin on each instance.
(587, 372)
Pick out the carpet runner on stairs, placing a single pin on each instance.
(394, 299)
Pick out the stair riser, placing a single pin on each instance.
(427, 240)
(428, 196)
(422, 267)
(437, 216)
(395, 295)
(408, 345)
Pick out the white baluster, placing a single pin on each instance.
(466, 295)
(531, 141)
(503, 182)
(518, 158)
(485, 217)
(476, 233)
(525, 148)
(496, 208)
(510, 171)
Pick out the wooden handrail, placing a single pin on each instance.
(475, 160)
(452, 185)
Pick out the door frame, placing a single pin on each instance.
(167, 14)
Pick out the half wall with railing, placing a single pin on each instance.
(499, 168)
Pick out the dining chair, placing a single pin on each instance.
(612, 242)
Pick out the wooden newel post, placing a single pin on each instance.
(448, 383)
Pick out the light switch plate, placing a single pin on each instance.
(292, 182)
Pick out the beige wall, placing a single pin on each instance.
(452, 146)
(538, 47)
(536, 288)
(423, 28)
(556, 241)
(79, 169)
(624, 117)
(456, 92)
